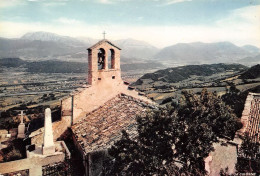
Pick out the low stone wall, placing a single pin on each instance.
(33, 164)
(223, 157)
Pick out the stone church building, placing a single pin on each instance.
(99, 112)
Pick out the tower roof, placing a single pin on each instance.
(101, 42)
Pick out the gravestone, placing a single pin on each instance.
(21, 127)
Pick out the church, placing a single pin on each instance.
(99, 112)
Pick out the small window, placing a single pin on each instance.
(99, 78)
(113, 77)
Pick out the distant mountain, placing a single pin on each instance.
(202, 53)
(251, 48)
(173, 75)
(87, 40)
(251, 73)
(51, 37)
(38, 49)
(250, 60)
(45, 46)
(136, 49)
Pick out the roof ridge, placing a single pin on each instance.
(150, 105)
(102, 41)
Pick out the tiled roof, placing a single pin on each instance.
(102, 41)
(102, 127)
(251, 116)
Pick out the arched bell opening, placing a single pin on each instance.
(101, 58)
(112, 59)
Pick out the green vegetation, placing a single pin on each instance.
(236, 99)
(251, 73)
(51, 66)
(14, 151)
(180, 135)
(249, 157)
(173, 75)
(11, 62)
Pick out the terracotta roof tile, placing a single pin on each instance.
(102, 127)
(251, 116)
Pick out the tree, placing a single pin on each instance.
(180, 135)
(235, 99)
(248, 160)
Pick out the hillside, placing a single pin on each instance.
(198, 53)
(251, 73)
(166, 85)
(136, 49)
(250, 60)
(173, 75)
(251, 48)
(11, 62)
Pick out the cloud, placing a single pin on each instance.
(241, 26)
(68, 21)
(105, 1)
(111, 1)
(244, 23)
(10, 3)
(169, 2)
(247, 15)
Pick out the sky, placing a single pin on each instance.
(158, 22)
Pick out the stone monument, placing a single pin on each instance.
(48, 144)
(21, 127)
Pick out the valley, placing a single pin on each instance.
(167, 85)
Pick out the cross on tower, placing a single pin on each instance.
(104, 35)
(21, 116)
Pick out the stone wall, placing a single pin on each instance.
(32, 164)
(223, 157)
(246, 113)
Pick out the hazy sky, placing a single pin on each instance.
(159, 22)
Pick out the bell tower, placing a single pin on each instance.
(104, 63)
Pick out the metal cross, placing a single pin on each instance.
(21, 116)
(104, 35)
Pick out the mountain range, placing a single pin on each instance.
(45, 46)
